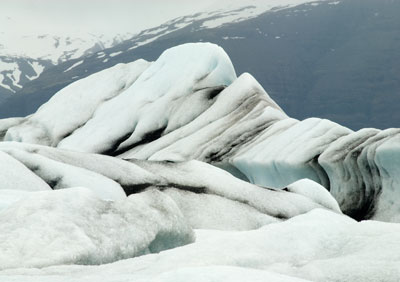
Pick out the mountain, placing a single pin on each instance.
(146, 210)
(20, 64)
(330, 59)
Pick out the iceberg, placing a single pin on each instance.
(179, 170)
(238, 204)
(189, 104)
(74, 226)
(74, 105)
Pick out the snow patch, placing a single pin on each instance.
(233, 37)
(5, 85)
(115, 54)
(73, 66)
(38, 68)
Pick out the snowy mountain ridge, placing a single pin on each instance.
(222, 13)
(20, 64)
(23, 57)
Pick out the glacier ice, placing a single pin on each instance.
(60, 176)
(10, 196)
(15, 176)
(240, 205)
(189, 105)
(165, 104)
(74, 226)
(7, 123)
(317, 246)
(173, 134)
(74, 105)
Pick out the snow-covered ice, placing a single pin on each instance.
(15, 176)
(239, 204)
(72, 106)
(73, 226)
(317, 246)
(5, 124)
(152, 111)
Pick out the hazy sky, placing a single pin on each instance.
(97, 16)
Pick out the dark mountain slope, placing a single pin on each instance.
(333, 60)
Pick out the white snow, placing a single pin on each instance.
(115, 54)
(38, 68)
(15, 77)
(237, 10)
(46, 49)
(54, 48)
(225, 18)
(2, 84)
(151, 39)
(7, 66)
(232, 37)
(10, 70)
(155, 31)
(317, 246)
(9, 197)
(74, 65)
(73, 226)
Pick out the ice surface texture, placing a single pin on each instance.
(317, 246)
(207, 196)
(162, 122)
(190, 105)
(74, 226)
(65, 207)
